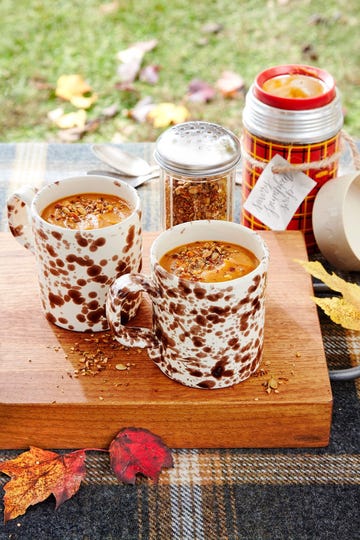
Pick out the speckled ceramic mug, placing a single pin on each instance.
(75, 267)
(204, 335)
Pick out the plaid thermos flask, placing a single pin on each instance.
(293, 111)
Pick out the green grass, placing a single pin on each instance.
(41, 40)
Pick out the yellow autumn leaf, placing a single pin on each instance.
(164, 114)
(55, 114)
(71, 85)
(72, 88)
(350, 291)
(84, 102)
(71, 120)
(343, 310)
(340, 312)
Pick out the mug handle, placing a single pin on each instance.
(18, 211)
(121, 291)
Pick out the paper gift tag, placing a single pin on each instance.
(276, 196)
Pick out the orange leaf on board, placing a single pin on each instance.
(138, 451)
(38, 473)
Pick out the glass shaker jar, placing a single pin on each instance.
(198, 167)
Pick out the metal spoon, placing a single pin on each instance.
(128, 164)
(134, 181)
(119, 160)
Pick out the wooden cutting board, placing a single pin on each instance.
(45, 400)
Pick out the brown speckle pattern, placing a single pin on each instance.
(204, 335)
(76, 267)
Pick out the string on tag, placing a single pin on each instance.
(320, 164)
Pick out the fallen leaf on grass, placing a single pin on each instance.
(230, 84)
(141, 110)
(75, 133)
(110, 7)
(73, 88)
(84, 102)
(71, 135)
(40, 83)
(317, 18)
(138, 451)
(212, 28)
(38, 473)
(131, 60)
(200, 91)
(55, 114)
(69, 120)
(73, 126)
(110, 111)
(309, 51)
(150, 74)
(71, 85)
(345, 310)
(164, 114)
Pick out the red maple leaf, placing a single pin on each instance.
(138, 451)
(38, 473)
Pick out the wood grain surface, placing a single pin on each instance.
(45, 403)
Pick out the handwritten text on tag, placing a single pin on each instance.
(276, 196)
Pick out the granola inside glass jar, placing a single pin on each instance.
(198, 167)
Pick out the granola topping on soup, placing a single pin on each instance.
(209, 261)
(86, 211)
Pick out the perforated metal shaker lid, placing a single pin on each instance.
(197, 148)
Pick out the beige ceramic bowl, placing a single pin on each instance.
(336, 221)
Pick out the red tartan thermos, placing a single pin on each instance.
(294, 111)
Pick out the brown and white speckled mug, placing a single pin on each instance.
(75, 267)
(204, 335)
